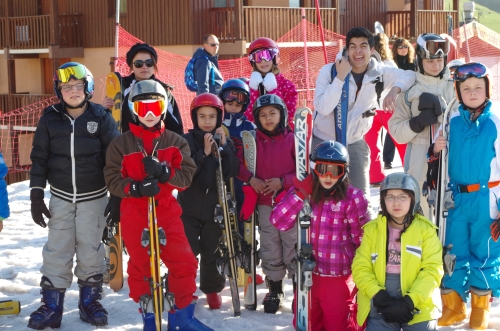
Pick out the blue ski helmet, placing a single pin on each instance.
(74, 70)
(237, 85)
(331, 151)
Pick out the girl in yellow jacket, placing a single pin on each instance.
(398, 267)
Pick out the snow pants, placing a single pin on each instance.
(176, 254)
(468, 229)
(333, 307)
(74, 228)
(372, 136)
(277, 248)
(203, 237)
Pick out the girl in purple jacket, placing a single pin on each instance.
(339, 210)
(275, 170)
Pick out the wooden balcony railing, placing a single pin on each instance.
(29, 32)
(10, 102)
(224, 26)
(70, 31)
(3, 42)
(431, 21)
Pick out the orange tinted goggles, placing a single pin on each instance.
(144, 107)
(324, 169)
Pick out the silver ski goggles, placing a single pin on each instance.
(435, 49)
(474, 69)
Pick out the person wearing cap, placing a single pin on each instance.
(419, 111)
(142, 60)
(69, 150)
(151, 162)
(206, 67)
(473, 224)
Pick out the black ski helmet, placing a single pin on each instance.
(270, 100)
(331, 151)
(432, 46)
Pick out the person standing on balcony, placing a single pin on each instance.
(206, 66)
(142, 60)
(267, 79)
(364, 71)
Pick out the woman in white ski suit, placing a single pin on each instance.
(418, 143)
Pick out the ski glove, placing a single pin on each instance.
(398, 311)
(426, 118)
(382, 299)
(255, 80)
(38, 207)
(303, 188)
(249, 203)
(153, 167)
(146, 188)
(269, 82)
(112, 211)
(430, 102)
(495, 229)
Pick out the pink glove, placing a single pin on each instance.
(303, 188)
(249, 203)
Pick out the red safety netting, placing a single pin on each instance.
(17, 127)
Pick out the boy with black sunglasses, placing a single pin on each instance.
(473, 224)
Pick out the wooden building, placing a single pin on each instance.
(38, 35)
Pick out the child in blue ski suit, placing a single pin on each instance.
(4, 199)
(473, 225)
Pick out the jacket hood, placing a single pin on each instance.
(202, 52)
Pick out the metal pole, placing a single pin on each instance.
(466, 38)
(320, 22)
(117, 31)
(306, 60)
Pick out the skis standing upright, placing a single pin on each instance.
(305, 260)
(250, 244)
(224, 214)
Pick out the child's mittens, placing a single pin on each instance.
(269, 82)
(303, 188)
(255, 80)
(495, 229)
(249, 203)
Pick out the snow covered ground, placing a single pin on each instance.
(21, 243)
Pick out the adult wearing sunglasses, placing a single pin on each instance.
(403, 54)
(142, 60)
(206, 67)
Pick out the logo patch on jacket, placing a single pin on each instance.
(92, 127)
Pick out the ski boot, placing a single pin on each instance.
(91, 310)
(147, 311)
(454, 309)
(214, 300)
(184, 320)
(51, 311)
(480, 305)
(273, 300)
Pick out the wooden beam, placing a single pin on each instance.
(11, 74)
(238, 19)
(54, 23)
(413, 18)
(456, 6)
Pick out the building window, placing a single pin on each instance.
(112, 8)
(223, 3)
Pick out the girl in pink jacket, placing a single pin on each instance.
(267, 79)
(339, 210)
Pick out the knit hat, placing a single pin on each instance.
(140, 47)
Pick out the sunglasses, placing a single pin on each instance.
(263, 55)
(240, 97)
(402, 46)
(77, 72)
(474, 69)
(144, 107)
(139, 63)
(324, 169)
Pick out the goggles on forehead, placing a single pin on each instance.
(474, 69)
(76, 72)
(263, 55)
(436, 48)
(238, 96)
(334, 170)
(144, 107)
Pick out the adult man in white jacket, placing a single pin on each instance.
(365, 72)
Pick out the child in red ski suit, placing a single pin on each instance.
(128, 174)
(339, 210)
(267, 79)
(275, 141)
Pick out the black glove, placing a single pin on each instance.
(430, 102)
(399, 311)
(153, 167)
(38, 207)
(112, 211)
(382, 299)
(146, 188)
(426, 118)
